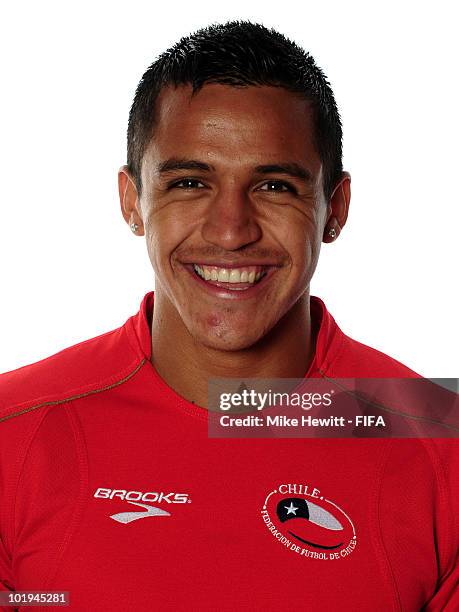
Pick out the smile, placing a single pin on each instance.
(245, 277)
(226, 281)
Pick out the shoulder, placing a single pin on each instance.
(73, 372)
(341, 356)
(37, 427)
(357, 359)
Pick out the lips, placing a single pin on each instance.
(222, 276)
(230, 280)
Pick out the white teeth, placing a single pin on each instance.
(231, 275)
(234, 276)
(223, 276)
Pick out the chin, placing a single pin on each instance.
(228, 338)
(227, 344)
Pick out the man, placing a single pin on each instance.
(110, 487)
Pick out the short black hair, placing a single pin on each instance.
(238, 53)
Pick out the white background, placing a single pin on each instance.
(71, 268)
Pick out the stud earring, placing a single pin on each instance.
(332, 233)
(134, 227)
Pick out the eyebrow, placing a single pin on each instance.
(182, 164)
(289, 168)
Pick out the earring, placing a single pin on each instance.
(134, 227)
(332, 233)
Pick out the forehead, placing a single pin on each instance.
(230, 124)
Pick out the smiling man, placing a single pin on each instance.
(234, 200)
(110, 487)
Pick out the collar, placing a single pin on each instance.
(329, 337)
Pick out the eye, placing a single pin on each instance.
(187, 183)
(277, 187)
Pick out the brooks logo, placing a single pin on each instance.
(128, 517)
(136, 498)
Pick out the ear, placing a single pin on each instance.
(338, 208)
(129, 199)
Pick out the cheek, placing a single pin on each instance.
(304, 247)
(303, 243)
(163, 236)
(153, 242)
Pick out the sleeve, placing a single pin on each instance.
(446, 599)
(6, 577)
(446, 596)
(6, 580)
(9, 444)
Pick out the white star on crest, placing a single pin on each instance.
(291, 509)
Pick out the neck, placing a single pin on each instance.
(285, 352)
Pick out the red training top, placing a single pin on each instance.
(111, 489)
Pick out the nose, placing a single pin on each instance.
(230, 221)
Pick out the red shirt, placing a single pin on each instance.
(92, 433)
